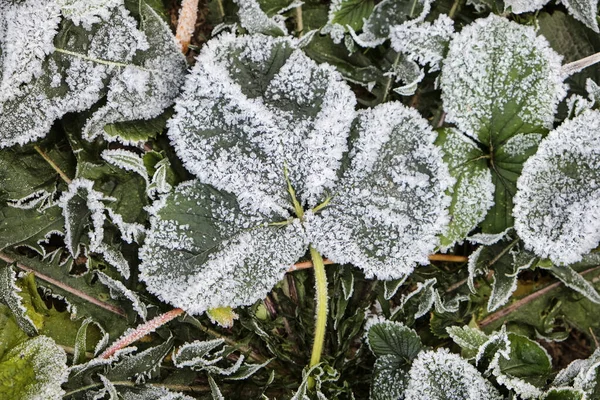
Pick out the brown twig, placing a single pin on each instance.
(52, 164)
(187, 23)
(65, 287)
(527, 299)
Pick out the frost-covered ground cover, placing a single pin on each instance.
(299, 200)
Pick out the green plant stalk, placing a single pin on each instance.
(321, 310)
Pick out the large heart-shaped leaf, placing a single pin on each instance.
(557, 207)
(501, 85)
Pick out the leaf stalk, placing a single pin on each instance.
(321, 310)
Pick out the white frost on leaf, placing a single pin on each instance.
(9, 296)
(584, 11)
(557, 205)
(237, 124)
(117, 289)
(409, 73)
(128, 160)
(523, 6)
(423, 42)
(495, 66)
(87, 12)
(203, 252)
(27, 30)
(390, 206)
(255, 20)
(445, 376)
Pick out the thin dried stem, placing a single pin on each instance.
(52, 164)
(187, 23)
(577, 66)
(525, 300)
(448, 258)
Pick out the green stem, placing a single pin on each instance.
(321, 308)
(454, 9)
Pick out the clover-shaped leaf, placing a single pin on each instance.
(501, 85)
(265, 129)
(95, 51)
(557, 206)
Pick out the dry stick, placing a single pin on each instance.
(65, 287)
(187, 23)
(527, 299)
(576, 66)
(52, 164)
(433, 257)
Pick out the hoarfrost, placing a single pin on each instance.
(424, 42)
(255, 20)
(390, 205)
(87, 12)
(497, 67)
(523, 6)
(557, 205)
(128, 160)
(9, 295)
(262, 116)
(445, 376)
(584, 11)
(204, 252)
(117, 289)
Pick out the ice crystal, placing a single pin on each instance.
(75, 66)
(523, 6)
(584, 11)
(557, 205)
(423, 42)
(255, 20)
(117, 289)
(445, 376)
(9, 295)
(474, 85)
(261, 123)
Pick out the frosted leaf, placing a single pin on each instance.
(204, 356)
(500, 79)
(152, 393)
(480, 5)
(593, 90)
(488, 239)
(149, 82)
(393, 338)
(87, 12)
(204, 252)
(391, 287)
(83, 206)
(214, 389)
(447, 306)
(473, 192)
(254, 104)
(344, 13)
(390, 205)
(425, 42)
(385, 15)
(575, 281)
(470, 339)
(557, 206)
(109, 58)
(584, 11)
(117, 289)
(30, 25)
(9, 296)
(159, 185)
(424, 294)
(255, 20)
(389, 380)
(35, 368)
(506, 270)
(141, 365)
(523, 6)
(128, 160)
(442, 375)
(497, 345)
(409, 73)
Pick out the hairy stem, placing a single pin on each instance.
(52, 164)
(141, 331)
(187, 23)
(321, 310)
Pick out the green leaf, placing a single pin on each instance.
(203, 242)
(140, 70)
(556, 207)
(9, 296)
(508, 122)
(564, 394)
(527, 360)
(585, 11)
(445, 376)
(389, 380)
(391, 197)
(350, 12)
(576, 282)
(387, 14)
(469, 339)
(142, 365)
(139, 130)
(393, 338)
(472, 194)
(255, 20)
(33, 369)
